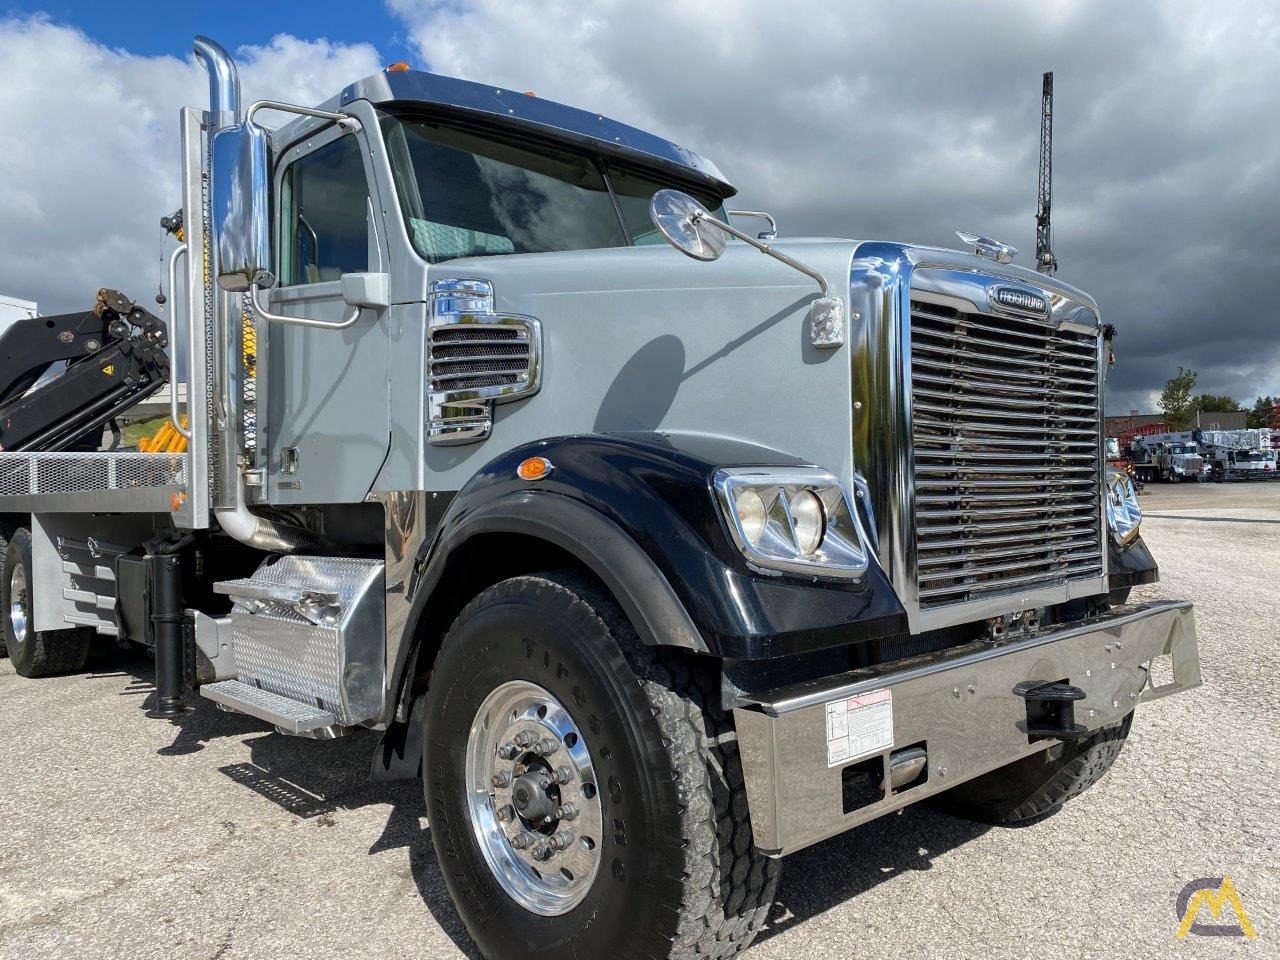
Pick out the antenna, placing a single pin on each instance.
(1046, 262)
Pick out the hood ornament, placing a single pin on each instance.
(986, 247)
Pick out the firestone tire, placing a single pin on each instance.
(1040, 784)
(34, 654)
(678, 874)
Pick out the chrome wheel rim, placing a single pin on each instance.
(18, 604)
(533, 799)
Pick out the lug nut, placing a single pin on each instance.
(564, 774)
(542, 851)
(524, 739)
(561, 840)
(500, 780)
(546, 746)
(522, 840)
(568, 811)
(506, 814)
(508, 751)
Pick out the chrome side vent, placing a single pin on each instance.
(476, 358)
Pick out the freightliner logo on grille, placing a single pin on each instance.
(1021, 301)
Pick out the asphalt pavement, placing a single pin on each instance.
(127, 837)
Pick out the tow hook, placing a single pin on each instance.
(1051, 712)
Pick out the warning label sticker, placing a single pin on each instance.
(859, 726)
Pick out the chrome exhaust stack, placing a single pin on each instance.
(229, 501)
(224, 83)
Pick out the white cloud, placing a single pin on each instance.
(89, 154)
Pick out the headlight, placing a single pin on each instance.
(797, 520)
(752, 515)
(808, 521)
(1123, 513)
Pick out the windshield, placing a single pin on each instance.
(472, 193)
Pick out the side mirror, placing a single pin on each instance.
(687, 224)
(240, 208)
(691, 229)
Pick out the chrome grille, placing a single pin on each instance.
(1007, 449)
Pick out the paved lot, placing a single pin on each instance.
(121, 836)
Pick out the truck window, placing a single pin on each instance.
(324, 209)
(634, 190)
(470, 194)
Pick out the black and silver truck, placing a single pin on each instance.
(658, 548)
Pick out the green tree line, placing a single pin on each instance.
(1181, 403)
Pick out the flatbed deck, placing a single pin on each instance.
(92, 482)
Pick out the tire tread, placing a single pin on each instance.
(726, 886)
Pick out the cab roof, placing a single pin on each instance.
(509, 108)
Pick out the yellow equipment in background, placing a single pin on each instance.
(165, 440)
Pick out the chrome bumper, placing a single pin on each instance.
(962, 707)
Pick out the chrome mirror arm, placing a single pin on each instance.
(256, 310)
(687, 226)
(702, 216)
(772, 233)
(344, 120)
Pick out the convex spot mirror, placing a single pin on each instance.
(240, 207)
(687, 224)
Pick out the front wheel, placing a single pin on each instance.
(1039, 784)
(583, 790)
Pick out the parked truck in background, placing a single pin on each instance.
(1174, 457)
(655, 564)
(1239, 454)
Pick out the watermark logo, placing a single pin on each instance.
(1213, 893)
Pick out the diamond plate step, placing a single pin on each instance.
(290, 716)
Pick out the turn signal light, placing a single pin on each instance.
(535, 468)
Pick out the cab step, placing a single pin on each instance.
(290, 716)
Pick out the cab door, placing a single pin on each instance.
(325, 429)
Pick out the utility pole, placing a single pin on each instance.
(1046, 262)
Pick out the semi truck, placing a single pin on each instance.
(1174, 457)
(657, 548)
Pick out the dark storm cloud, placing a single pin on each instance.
(911, 121)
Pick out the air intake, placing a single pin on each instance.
(476, 358)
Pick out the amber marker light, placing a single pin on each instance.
(399, 66)
(535, 468)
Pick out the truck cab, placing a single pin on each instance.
(658, 548)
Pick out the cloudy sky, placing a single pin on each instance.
(885, 121)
